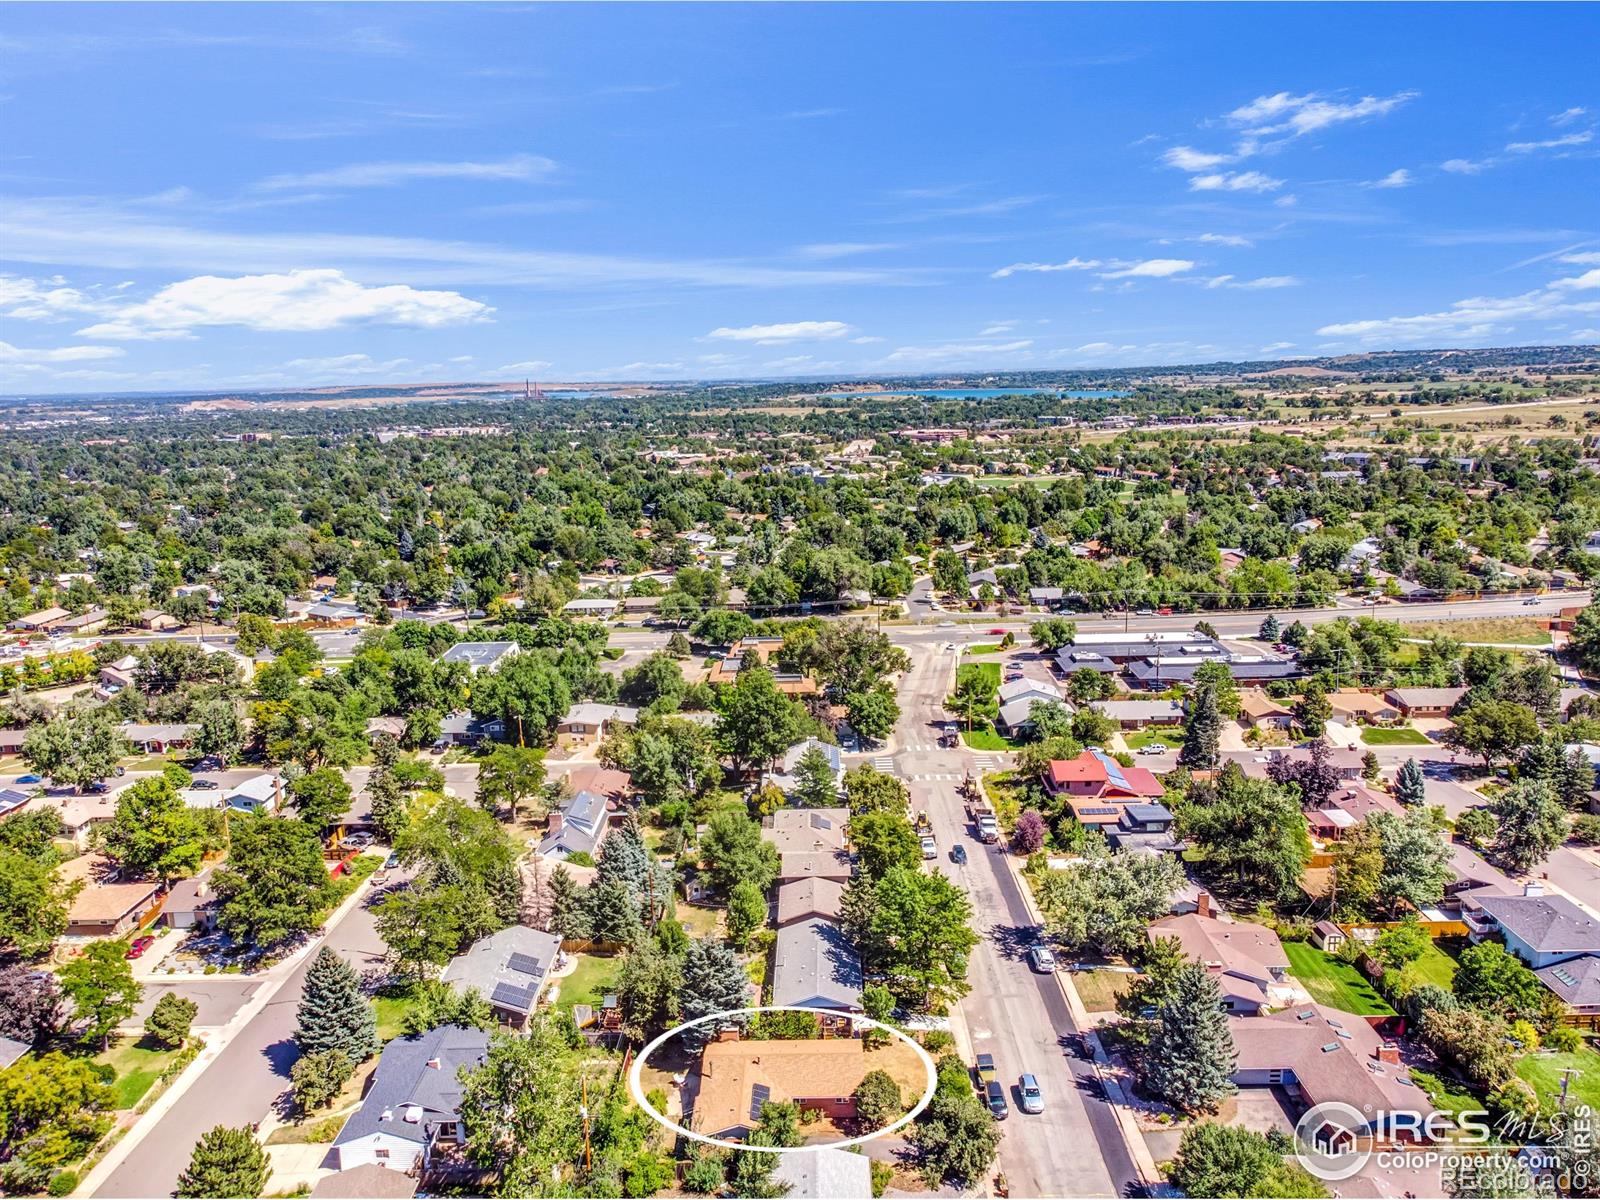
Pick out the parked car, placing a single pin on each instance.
(204, 785)
(1145, 612)
(392, 861)
(994, 1095)
(958, 854)
(99, 787)
(358, 841)
(1029, 1098)
(1151, 748)
(30, 779)
(1041, 958)
(139, 945)
(1531, 600)
(930, 848)
(120, 772)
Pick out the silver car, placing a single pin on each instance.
(1029, 1098)
(1041, 958)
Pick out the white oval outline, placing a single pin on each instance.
(636, 1090)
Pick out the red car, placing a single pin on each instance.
(139, 946)
(997, 632)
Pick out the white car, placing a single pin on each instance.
(1152, 748)
(930, 848)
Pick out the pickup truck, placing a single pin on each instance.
(988, 829)
(986, 1071)
(930, 848)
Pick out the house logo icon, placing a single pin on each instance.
(1333, 1141)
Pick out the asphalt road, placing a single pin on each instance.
(1075, 1147)
(240, 1085)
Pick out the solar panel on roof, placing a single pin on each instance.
(820, 822)
(526, 963)
(1565, 976)
(510, 996)
(759, 1095)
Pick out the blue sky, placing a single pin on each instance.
(198, 196)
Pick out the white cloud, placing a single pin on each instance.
(1569, 115)
(1555, 143)
(1585, 335)
(1588, 258)
(998, 329)
(955, 353)
(778, 335)
(1235, 181)
(843, 249)
(346, 364)
(1187, 159)
(38, 356)
(1072, 264)
(1151, 268)
(1223, 239)
(1300, 115)
(296, 302)
(1478, 318)
(1272, 347)
(1398, 178)
(524, 368)
(518, 167)
(44, 300)
(1465, 166)
(1262, 283)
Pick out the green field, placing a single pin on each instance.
(137, 1064)
(1336, 984)
(1542, 1072)
(1394, 737)
(595, 976)
(987, 648)
(987, 673)
(1437, 967)
(1099, 989)
(1170, 738)
(982, 736)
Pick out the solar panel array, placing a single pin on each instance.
(525, 963)
(759, 1095)
(508, 995)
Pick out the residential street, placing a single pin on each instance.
(240, 1084)
(1075, 1147)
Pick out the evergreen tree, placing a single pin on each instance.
(1203, 730)
(568, 914)
(1270, 629)
(226, 1163)
(333, 1014)
(1410, 785)
(714, 981)
(389, 817)
(611, 913)
(1312, 710)
(1190, 1056)
(815, 786)
(747, 912)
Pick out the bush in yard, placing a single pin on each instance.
(704, 1174)
(63, 1183)
(1028, 835)
(878, 1101)
(1586, 829)
(168, 1023)
(1563, 1039)
(1476, 827)
(318, 1078)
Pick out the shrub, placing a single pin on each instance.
(937, 1040)
(63, 1183)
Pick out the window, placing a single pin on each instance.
(380, 1152)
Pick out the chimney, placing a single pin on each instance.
(1533, 888)
(433, 1064)
(554, 826)
(1389, 1052)
(728, 1034)
(1202, 904)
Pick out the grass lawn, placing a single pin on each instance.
(1437, 966)
(987, 648)
(982, 736)
(1510, 631)
(1447, 1095)
(594, 977)
(392, 1006)
(1542, 1072)
(1336, 984)
(1099, 989)
(699, 922)
(137, 1063)
(1374, 736)
(987, 673)
(1171, 738)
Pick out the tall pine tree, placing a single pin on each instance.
(333, 1013)
(1190, 1056)
(1203, 730)
(714, 981)
(226, 1163)
(1409, 785)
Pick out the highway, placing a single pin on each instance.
(1075, 1147)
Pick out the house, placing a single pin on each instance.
(1352, 706)
(412, 1105)
(11, 740)
(337, 614)
(109, 909)
(1261, 711)
(1139, 714)
(736, 1078)
(577, 827)
(1158, 674)
(1363, 555)
(1327, 936)
(157, 621)
(1309, 525)
(590, 608)
(815, 966)
(1047, 597)
(1097, 787)
(807, 898)
(366, 1182)
(827, 1173)
(508, 969)
(1541, 930)
(1321, 1054)
(81, 625)
(1254, 763)
(81, 813)
(258, 794)
(587, 720)
(1576, 982)
(466, 729)
(810, 842)
(38, 622)
(158, 739)
(1070, 660)
(1146, 827)
(784, 774)
(12, 799)
(1424, 702)
(394, 727)
(1247, 960)
(480, 656)
(1016, 699)
(115, 676)
(11, 1050)
(191, 904)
